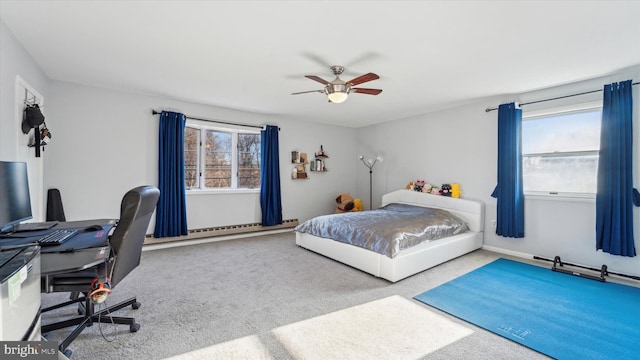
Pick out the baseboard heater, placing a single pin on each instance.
(558, 265)
(223, 231)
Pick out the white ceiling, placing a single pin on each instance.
(251, 55)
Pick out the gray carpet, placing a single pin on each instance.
(200, 295)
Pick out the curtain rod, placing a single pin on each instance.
(217, 121)
(559, 97)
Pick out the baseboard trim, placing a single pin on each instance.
(171, 244)
(507, 252)
(221, 231)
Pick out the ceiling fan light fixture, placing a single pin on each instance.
(337, 96)
(337, 92)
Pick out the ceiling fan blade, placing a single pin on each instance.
(318, 79)
(306, 92)
(363, 78)
(366, 91)
(317, 59)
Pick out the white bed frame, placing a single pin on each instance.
(418, 258)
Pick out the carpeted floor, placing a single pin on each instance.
(395, 328)
(242, 293)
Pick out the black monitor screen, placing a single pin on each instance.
(15, 203)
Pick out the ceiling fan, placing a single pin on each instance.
(338, 90)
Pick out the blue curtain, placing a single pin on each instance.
(171, 214)
(270, 197)
(509, 192)
(615, 197)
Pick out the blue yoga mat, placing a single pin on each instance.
(559, 315)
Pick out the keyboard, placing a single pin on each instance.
(57, 237)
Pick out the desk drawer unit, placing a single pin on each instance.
(20, 294)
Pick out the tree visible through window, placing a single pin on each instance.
(191, 157)
(212, 164)
(248, 160)
(560, 153)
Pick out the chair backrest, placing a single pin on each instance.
(127, 239)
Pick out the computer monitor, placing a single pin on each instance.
(15, 206)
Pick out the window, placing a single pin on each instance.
(211, 163)
(560, 152)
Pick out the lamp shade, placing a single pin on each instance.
(337, 97)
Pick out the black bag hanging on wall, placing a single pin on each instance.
(32, 118)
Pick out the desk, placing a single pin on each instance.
(84, 250)
(74, 260)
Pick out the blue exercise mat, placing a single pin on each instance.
(559, 315)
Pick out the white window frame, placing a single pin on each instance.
(557, 111)
(200, 189)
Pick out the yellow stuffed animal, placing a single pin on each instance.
(455, 190)
(357, 205)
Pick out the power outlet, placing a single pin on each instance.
(494, 223)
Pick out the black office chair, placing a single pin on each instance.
(89, 286)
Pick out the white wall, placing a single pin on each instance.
(17, 71)
(460, 145)
(105, 142)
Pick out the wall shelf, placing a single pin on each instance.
(318, 165)
(300, 162)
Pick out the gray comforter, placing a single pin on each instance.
(386, 230)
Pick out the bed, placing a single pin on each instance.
(412, 260)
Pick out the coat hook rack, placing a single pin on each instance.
(29, 101)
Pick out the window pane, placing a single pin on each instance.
(561, 133)
(218, 159)
(248, 160)
(560, 152)
(191, 157)
(565, 174)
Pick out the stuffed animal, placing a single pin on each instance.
(427, 188)
(357, 205)
(455, 190)
(445, 190)
(418, 185)
(435, 190)
(345, 203)
(410, 185)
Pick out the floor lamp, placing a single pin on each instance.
(370, 163)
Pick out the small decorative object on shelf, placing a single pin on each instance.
(318, 164)
(300, 161)
(321, 154)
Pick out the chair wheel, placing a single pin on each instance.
(134, 328)
(135, 305)
(67, 353)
